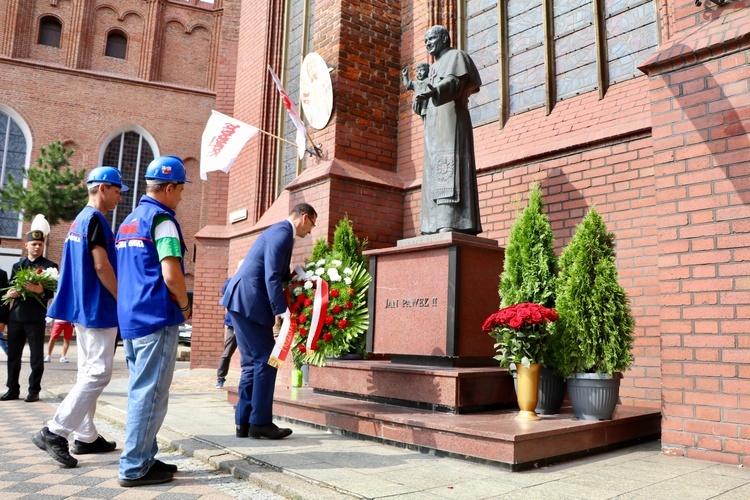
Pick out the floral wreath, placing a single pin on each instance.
(328, 309)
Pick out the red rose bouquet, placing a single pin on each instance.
(45, 277)
(328, 307)
(521, 332)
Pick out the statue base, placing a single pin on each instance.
(430, 296)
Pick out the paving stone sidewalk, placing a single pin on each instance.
(27, 472)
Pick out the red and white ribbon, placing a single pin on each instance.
(320, 308)
(283, 341)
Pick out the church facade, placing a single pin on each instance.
(639, 108)
(120, 82)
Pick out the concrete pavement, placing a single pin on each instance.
(314, 463)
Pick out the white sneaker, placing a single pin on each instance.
(46, 359)
(63, 359)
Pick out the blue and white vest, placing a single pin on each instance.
(144, 304)
(81, 298)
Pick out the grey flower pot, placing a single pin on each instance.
(551, 391)
(594, 395)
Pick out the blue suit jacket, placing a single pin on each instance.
(256, 290)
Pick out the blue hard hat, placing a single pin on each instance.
(107, 175)
(168, 169)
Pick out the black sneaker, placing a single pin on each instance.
(153, 476)
(56, 446)
(101, 445)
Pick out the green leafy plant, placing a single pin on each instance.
(54, 188)
(531, 266)
(595, 328)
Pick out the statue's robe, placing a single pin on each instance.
(449, 178)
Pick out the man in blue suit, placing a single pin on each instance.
(254, 298)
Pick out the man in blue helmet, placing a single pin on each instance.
(87, 297)
(152, 303)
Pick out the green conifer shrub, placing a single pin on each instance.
(531, 266)
(595, 327)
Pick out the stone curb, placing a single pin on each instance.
(240, 466)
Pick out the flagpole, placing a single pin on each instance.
(276, 137)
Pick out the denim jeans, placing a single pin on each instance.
(75, 415)
(151, 360)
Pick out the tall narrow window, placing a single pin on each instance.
(631, 36)
(131, 153)
(117, 45)
(13, 149)
(298, 41)
(526, 72)
(575, 47)
(481, 44)
(50, 30)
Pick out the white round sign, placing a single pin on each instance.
(316, 93)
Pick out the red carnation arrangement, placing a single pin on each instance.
(520, 331)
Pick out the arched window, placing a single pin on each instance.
(117, 45)
(131, 153)
(49, 31)
(13, 149)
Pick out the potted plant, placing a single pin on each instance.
(596, 325)
(520, 331)
(529, 275)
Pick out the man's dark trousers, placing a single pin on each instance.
(258, 378)
(18, 333)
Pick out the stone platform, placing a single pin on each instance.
(375, 400)
(491, 437)
(442, 388)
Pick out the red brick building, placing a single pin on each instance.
(120, 82)
(641, 108)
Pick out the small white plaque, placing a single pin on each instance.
(238, 215)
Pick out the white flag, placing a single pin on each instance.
(301, 139)
(222, 141)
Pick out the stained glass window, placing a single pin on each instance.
(628, 36)
(298, 26)
(12, 166)
(526, 82)
(481, 44)
(575, 47)
(131, 154)
(631, 36)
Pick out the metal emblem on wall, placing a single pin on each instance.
(316, 92)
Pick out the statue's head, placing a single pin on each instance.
(423, 69)
(437, 39)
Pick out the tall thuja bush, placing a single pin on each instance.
(595, 325)
(531, 266)
(346, 244)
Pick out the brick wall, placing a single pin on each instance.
(699, 92)
(75, 94)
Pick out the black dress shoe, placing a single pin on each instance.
(242, 431)
(153, 476)
(9, 396)
(32, 398)
(101, 445)
(159, 465)
(270, 431)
